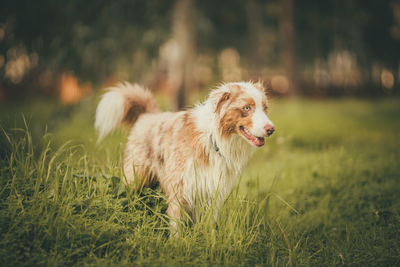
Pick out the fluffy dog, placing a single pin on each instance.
(195, 155)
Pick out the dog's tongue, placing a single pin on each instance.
(259, 141)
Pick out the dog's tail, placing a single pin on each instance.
(123, 103)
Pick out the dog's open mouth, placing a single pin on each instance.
(255, 140)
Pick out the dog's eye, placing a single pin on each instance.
(247, 108)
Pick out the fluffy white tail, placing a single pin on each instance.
(123, 103)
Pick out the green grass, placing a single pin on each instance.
(325, 190)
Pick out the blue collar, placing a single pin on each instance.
(214, 143)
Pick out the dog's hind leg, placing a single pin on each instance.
(137, 174)
(138, 164)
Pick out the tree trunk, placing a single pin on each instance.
(287, 32)
(183, 30)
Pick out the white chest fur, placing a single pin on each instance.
(211, 184)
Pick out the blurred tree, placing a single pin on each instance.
(287, 31)
(257, 35)
(362, 28)
(183, 33)
(91, 39)
(113, 40)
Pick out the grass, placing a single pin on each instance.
(323, 191)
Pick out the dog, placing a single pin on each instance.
(194, 155)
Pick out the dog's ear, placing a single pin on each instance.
(218, 98)
(264, 87)
(260, 86)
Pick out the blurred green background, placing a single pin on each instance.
(68, 50)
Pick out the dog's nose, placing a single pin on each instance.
(269, 129)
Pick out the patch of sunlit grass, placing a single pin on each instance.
(323, 191)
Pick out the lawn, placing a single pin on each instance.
(324, 190)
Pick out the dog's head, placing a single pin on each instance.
(241, 108)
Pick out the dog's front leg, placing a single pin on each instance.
(175, 206)
(174, 212)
